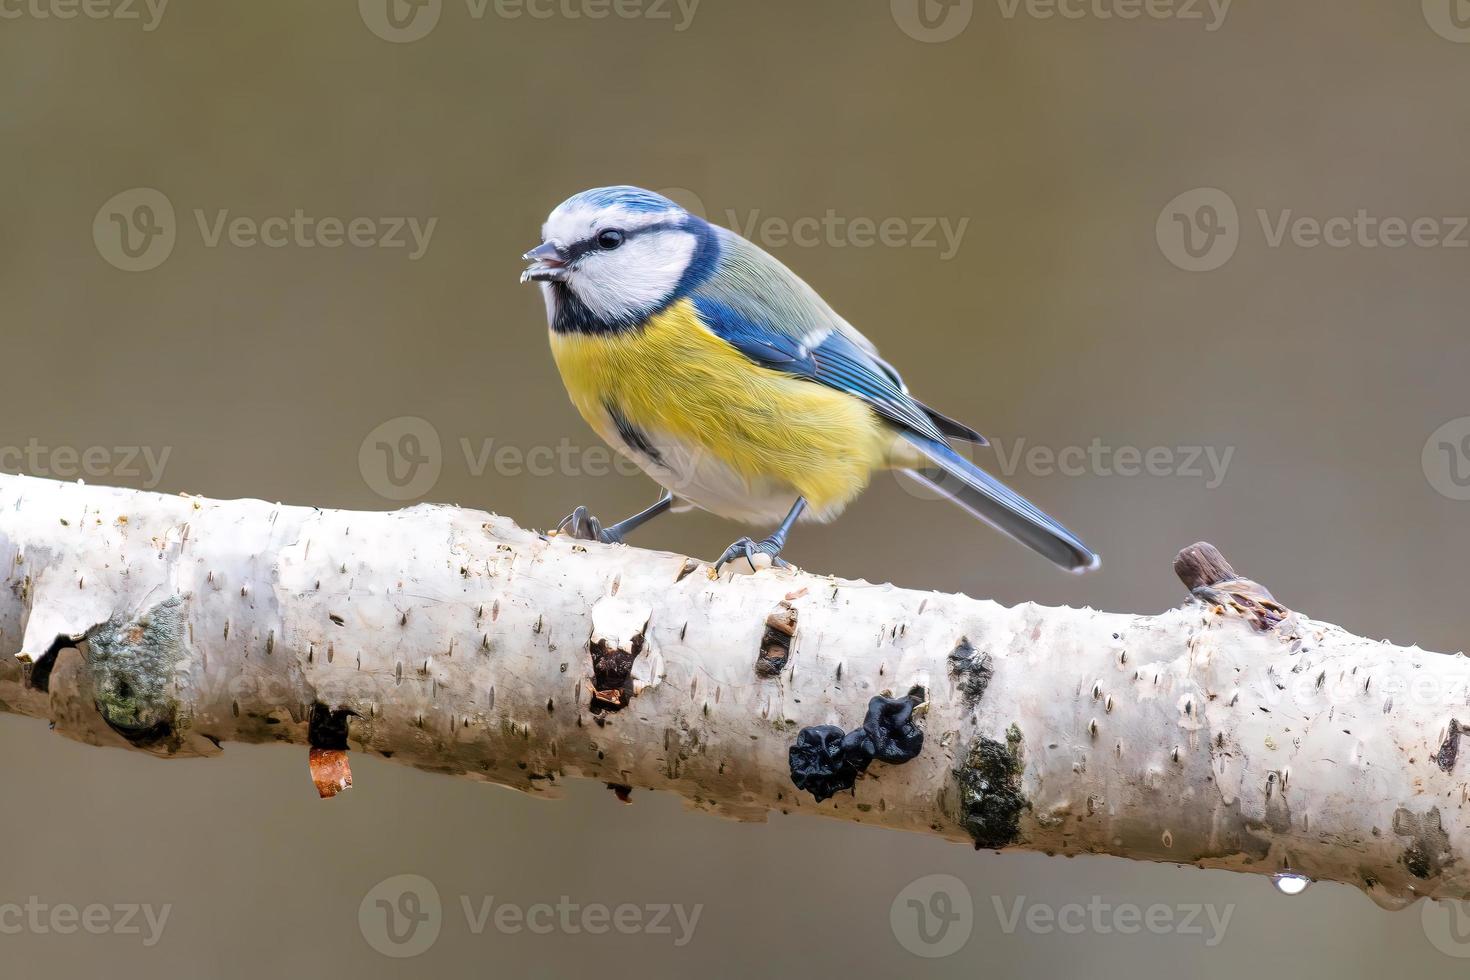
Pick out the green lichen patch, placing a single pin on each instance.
(990, 798)
(132, 662)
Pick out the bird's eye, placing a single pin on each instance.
(610, 239)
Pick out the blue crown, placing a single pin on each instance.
(632, 198)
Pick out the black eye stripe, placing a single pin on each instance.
(579, 249)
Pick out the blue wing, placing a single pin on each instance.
(764, 311)
(834, 360)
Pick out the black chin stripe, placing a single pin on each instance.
(574, 316)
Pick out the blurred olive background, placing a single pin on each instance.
(1060, 320)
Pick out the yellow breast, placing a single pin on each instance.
(675, 378)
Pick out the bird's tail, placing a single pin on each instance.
(997, 505)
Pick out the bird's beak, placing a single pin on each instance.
(549, 264)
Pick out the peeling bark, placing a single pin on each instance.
(1229, 733)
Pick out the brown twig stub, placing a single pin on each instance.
(1201, 564)
(1213, 580)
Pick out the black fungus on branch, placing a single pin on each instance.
(990, 797)
(971, 670)
(612, 674)
(328, 729)
(826, 760)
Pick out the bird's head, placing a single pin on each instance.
(620, 252)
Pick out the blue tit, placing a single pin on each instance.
(731, 383)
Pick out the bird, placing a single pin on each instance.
(731, 382)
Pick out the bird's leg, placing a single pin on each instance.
(748, 549)
(581, 525)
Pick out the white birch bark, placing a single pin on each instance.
(466, 645)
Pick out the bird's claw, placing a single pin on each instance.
(748, 549)
(582, 526)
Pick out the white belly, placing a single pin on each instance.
(697, 478)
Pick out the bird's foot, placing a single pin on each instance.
(581, 525)
(750, 551)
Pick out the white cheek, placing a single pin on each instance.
(636, 277)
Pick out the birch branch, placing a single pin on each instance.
(1229, 733)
